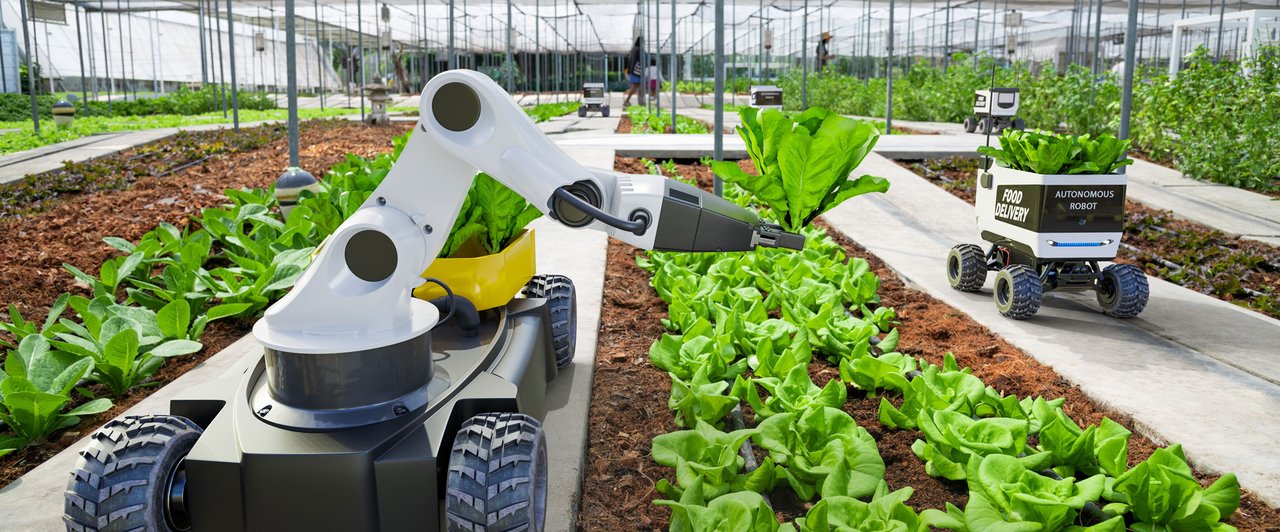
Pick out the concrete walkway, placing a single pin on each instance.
(1191, 369)
(34, 502)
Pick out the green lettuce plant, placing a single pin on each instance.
(491, 213)
(936, 388)
(740, 511)
(1004, 495)
(1051, 153)
(1162, 494)
(809, 446)
(21, 328)
(700, 399)
(887, 512)
(951, 439)
(126, 344)
(802, 163)
(35, 388)
(1102, 448)
(794, 393)
(709, 458)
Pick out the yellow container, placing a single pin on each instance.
(488, 281)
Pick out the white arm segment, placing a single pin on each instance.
(356, 295)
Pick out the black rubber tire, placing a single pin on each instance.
(966, 267)
(604, 111)
(970, 125)
(984, 126)
(562, 301)
(497, 476)
(1019, 124)
(1122, 290)
(1018, 292)
(121, 482)
(582, 111)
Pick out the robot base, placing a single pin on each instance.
(1021, 280)
(987, 124)
(219, 463)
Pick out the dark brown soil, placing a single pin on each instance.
(71, 230)
(1244, 272)
(629, 406)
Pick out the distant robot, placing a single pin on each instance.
(593, 100)
(989, 119)
(766, 97)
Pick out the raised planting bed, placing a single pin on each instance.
(630, 395)
(1244, 272)
(639, 120)
(63, 217)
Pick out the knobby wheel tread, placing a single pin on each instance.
(562, 300)
(112, 486)
(1131, 291)
(972, 272)
(1025, 292)
(492, 463)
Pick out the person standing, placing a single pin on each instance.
(653, 76)
(634, 69)
(824, 56)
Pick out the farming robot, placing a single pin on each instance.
(994, 110)
(593, 100)
(1048, 232)
(373, 410)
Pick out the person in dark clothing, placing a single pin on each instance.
(634, 70)
(823, 55)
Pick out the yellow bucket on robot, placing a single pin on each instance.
(487, 281)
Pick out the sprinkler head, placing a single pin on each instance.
(290, 185)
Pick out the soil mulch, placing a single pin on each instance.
(629, 395)
(70, 229)
(1230, 268)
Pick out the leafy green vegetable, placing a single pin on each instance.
(887, 512)
(952, 438)
(710, 458)
(35, 387)
(1102, 448)
(741, 511)
(700, 399)
(795, 393)
(21, 328)
(810, 446)
(126, 344)
(1004, 495)
(802, 164)
(1049, 153)
(1162, 494)
(491, 213)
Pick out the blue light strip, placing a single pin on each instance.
(1076, 244)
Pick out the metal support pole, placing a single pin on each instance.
(204, 54)
(1097, 41)
(291, 71)
(718, 153)
(1222, 15)
(1126, 97)
(946, 45)
(31, 71)
(763, 53)
(319, 61)
(888, 109)
(84, 91)
(977, 32)
(537, 48)
(510, 65)
(675, 73)
(235, 84)
(453, 60)
(804, 61)
(360, 45)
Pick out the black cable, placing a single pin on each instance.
(449, 295)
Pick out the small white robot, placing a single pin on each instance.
(994, 110)
(1048, 232)
(766, 97)
(593, 100)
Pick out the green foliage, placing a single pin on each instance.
(742, 511)
(822, 450)
(1162, 494)
(492, 214)
(1004, 495)
(711, 458)
(887, 512)
(35, 388)
(642, 121)
(17, 107)
(1049, 153)
(952, 438)
(795, 393)
(547, 111)
(802, 163)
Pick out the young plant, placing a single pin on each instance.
(35, 387)
(803, 163)
(684, 355)
(1004, 495)
(126, 344)
(795, 393)
(1102, 448)
(710, 458)
(809, 446)
(21, 328)
(741, 511)
(1050, 153)
(952, 439)
(945, 388)
(1162, 494)
(700, 399)
(887, 512)
(491, 213)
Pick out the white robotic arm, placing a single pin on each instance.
(356, 295)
